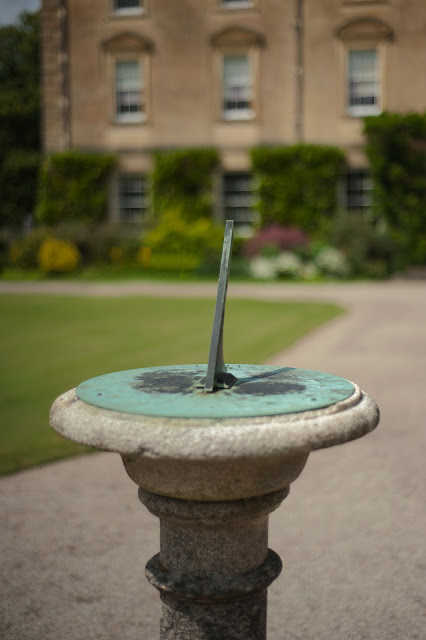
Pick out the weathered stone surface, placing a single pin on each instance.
(214, 460)
(213, 538)
(214, 566)
(237, 620)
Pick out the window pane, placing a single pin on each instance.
(132, 198)
(237, 198)
(129, 94)
(358, 189)
(237, 91)
(126, 4)
(364, 82)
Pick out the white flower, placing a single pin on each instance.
(288, 264)
(332, 262)
(263, 268)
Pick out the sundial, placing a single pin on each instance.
(215, 389)
(214, 449)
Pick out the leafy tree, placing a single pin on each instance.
(19, 118)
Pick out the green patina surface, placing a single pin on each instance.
(177, 391)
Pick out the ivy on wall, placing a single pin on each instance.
(74, 186)
(396, 149)
(297, 185)
(183, 179)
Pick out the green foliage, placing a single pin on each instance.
(396, 149)
(19, 118)
(24, 253)
(74, 186)
(174, 235)
(100, 244)
(18, 186)
(297, 185)
(183, 179)
(368, 248)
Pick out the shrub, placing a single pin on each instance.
(24, 253)
(396, 148)
(174, 235)
(365, 245)
(74, 186)
(102, 243)
(277, 236)
(183, 179)
(288, 264)
(263, 268)
(332, 262)
(58, 256)
(297, 185)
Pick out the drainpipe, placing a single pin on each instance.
(299, 30)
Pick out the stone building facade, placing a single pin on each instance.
(131, 76)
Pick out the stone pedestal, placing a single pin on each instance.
(213, 482)
(214, 566)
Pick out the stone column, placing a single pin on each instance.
(214, 566)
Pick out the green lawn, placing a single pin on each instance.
(49, 344)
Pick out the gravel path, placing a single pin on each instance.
(351, 534)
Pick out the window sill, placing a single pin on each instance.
(128, 13)
(238, 116)
(140, 119)
(361, 112)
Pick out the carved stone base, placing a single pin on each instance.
(214, 566)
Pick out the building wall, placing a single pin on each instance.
(183, 91)
(403, 54)
(181, 42)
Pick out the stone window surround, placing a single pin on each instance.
(363, 34)
(236, 41)
(128, 47)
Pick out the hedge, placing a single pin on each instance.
(74, 186)
(297, 185)
(396, 149)
(183, 179)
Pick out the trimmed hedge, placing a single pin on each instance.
(74, 186)
(297, 185)
(396, 149)
(183, 179)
